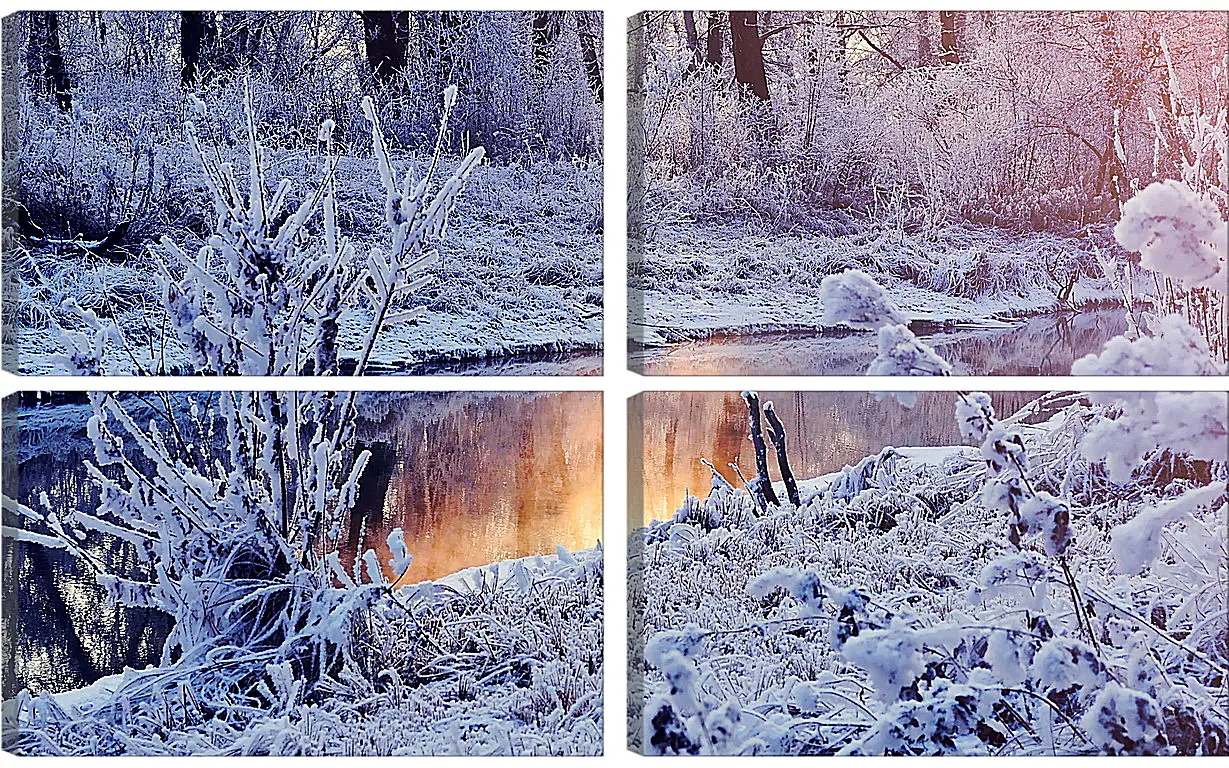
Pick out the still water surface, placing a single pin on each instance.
(473, 478)
(825, 431)
(1043, 345)
(470, 477)
(583, 362)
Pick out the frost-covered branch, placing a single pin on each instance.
(852, 298)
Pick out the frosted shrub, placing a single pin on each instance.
(854, 299)
(1137, 542)
(903, 354)
(1177, 233)
(974, 417)
(891, 658)
(805, 587)
(1125, 722)
(236, 512)
(279, 307)
(100, 164)
(1194, 424)
(957, 719)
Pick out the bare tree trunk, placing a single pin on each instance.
(925, 46)
(714, 41)
(196, 31)
(100, 28)
(748, 52)
(776, 433)
(762, 483)
(57, 72)
(45, 58)
(693, 39)
(949, 29)
(589, 27)
(386, 38)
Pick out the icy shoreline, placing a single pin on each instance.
(696, 281)
(660, 319)
(444, 343)
(467, 342)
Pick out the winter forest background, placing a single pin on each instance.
(974, 164)
(106, 190)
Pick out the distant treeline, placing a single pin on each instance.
(531, 83)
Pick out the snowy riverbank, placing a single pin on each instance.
(696, 281)
(517, 289)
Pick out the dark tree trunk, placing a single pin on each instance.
(693, 39)
(776, 433)
(196, 32)
(45, 58)
(100, 24)
(545, 29)
(714, 41)
(57, 72)
(762, 483)
(589, 53)
(386, 39)
(748, 52)
(949, 34)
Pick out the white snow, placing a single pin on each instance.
(1177, 233)
(828, 630)
(699, 280)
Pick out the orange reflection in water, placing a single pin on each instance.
(824, 432)
(473, 478)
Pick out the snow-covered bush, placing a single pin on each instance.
(237, 511)
(1125, 722)
(1178, 234)
(265, 294)
(852, 298)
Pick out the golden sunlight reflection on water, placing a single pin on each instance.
(825, 432)
(473, 478)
